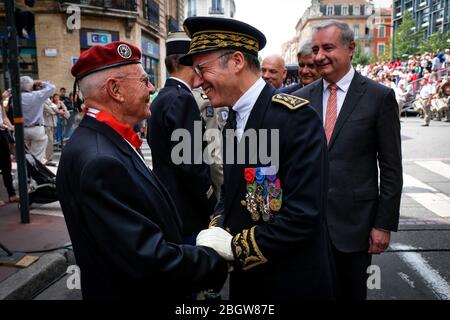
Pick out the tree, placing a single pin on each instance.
(387, 55)
(360, 57)
(406, 39)
(436, 42)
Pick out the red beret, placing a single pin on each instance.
(99, 58)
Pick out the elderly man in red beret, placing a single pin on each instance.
(124, 227)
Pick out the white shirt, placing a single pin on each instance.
(33, 104)
(426, 91)
(183, 83)
(343, 86)
(245, 104)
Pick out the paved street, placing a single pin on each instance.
(417, 264)
(421, 270)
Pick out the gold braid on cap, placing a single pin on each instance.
(222, 39)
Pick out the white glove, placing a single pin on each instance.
(218, 239)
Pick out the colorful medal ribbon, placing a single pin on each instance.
(264, 194)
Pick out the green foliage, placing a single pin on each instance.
(405, 38)
(387, 56)
(436, 42)
(360, 57)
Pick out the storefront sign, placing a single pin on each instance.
(150, 48)
(94, 38)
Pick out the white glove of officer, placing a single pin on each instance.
(218, 239)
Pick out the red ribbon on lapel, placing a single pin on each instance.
(125, 131)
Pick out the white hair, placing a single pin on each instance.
(93, 84)
(26, 84)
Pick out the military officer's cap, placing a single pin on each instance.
(213, 33)
(177, 43)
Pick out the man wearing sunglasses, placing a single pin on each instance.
(124, 227)
(269, 222)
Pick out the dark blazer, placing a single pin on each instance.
(124, 227)
(367, 133)
(188, 183)
(288, 257)
(291, 88)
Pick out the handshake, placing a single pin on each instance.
(217, 239)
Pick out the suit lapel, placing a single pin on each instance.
(119, 142)
(235, 172)
(316, 97)
(354, 94)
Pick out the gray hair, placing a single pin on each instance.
(347, 35)
(26, 84)
(94, 84)
(305, 48)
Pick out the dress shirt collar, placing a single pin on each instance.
(342, 84)
(246, 102)
(183, 82)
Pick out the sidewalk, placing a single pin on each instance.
(46, 230)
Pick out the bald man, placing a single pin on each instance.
(273, 70)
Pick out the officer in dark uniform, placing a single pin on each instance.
(270, 220)
(125, 230)
(175, 108)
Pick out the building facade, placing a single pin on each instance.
(215, 8)
(64, 29)
(358, 14)
(430, 15)
(382, 31)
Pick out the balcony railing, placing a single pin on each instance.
(126, 5)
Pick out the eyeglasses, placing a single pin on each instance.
(145, 80)
(198, 68)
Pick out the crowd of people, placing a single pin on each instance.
(297, 228)
(420, 83)
(49, 120)
(303, 227)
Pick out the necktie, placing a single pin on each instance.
(231, 120)
(331, 115)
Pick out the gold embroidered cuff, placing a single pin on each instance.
(214, 222)
(246, 250)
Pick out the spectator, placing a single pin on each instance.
(5, 158)
(273, 70)
(33, 113)
(63, 116)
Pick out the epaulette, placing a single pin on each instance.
(287, 100)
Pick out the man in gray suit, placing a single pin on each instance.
(363, 134)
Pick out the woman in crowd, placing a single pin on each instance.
(5, 157)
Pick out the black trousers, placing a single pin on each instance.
(5, 163)
(351, 272)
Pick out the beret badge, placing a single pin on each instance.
(124, 51)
